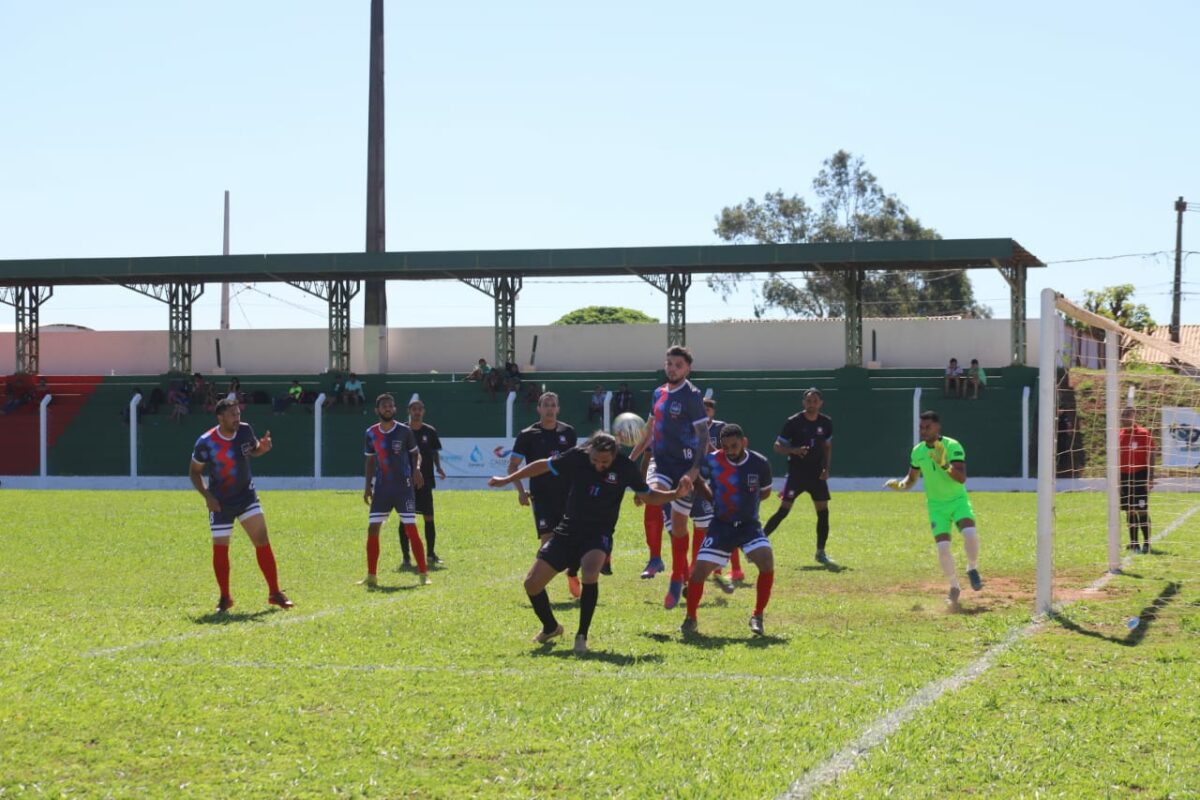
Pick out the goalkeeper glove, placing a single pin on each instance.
(895, 484)
(939, 454)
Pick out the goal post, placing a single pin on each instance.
(1090, 371)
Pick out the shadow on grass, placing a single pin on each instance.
(825, 568)
(231, 617)
(603, 656)
(704, 642)
(1145, 618)
(393, 589)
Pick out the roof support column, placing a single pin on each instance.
(1016, 284)
(503, 290)
(179, 297)
(854, 279)
(27, 302)
(338, 295)
(675, 286)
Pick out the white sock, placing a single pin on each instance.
(971, 545)
(946, 558)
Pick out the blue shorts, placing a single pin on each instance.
(725, 537)
(242, 507)
(404, 503)
(667, 476)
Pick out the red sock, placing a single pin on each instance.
(221, 567)
(765, 581)
(418, 549)
(266, 562)
(653, 522)
(372, 554)
(695, 592)
(735, 561)
(698, 535)
(679, 557)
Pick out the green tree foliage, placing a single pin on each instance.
(852, 206)
(1116, 303)
(605, 315)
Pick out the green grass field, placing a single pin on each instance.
(118, 682)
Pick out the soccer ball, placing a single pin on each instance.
(627, 428)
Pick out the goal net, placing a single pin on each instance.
(1118, 455)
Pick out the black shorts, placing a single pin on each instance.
(565, 550)
(798, 484)
(1135, 490)
(548, 512)
(424, 500)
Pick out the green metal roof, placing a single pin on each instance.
(435, 265)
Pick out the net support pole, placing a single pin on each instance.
(1047, 418)
(1025, 433)
(133, 435)
(508, 414)
(916, 419)
(1112, 410)
(318, 424)
(44, 436)
(608, 411)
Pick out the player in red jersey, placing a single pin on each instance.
(225, 452)
(1136, 446)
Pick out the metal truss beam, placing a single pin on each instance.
(338, 295)
(27, 302)
(675, 286)
(503, 290)
(179, 297)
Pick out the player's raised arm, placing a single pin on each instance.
(905, 483)
(263, 446)
(531, 470)
(658, 497)
(647, 432)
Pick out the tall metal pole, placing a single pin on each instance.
(225, 286)
(375, 294)
(1180, 207)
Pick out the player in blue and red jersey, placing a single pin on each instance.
(677, 433)
(225, 452)
(393, 467)
(737, 479)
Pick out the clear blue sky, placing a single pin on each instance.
(1070, 127)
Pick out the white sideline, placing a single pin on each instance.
(878, 731)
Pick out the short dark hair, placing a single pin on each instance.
(223, 405)
(681, 351)
(708, 401)
(932, 416)
(814, 390)
(603, 442)
(731, 430)
(385, 396)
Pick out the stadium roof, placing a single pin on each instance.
(441, 265)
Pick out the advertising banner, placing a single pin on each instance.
(1180, 437)
(475, 458)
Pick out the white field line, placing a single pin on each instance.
(625, 673)
(878, 731)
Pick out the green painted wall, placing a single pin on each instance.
(872, 413)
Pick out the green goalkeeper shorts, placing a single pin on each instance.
(943, 514)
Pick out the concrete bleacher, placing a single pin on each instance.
(871, 409)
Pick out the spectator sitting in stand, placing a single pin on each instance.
(352, 391)
(512, 377)
(177, 399)
(482, 369)
(296, 393)
(596, 404)
(20, 392)
(236, 394)
(976, 379)
(952, 381)
(622, 400)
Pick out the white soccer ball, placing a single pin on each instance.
(627, 428)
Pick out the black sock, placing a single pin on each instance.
(587, 606)
(822, 529)
(1133, 533)
(403, 542)
(541, 607)
(1146, 528)
(775, 519)
(430, 536)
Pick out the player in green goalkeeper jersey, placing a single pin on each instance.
(940, 461)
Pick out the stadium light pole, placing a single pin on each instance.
(225, 284)
(375, 291)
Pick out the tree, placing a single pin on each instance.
(852, 207)
(1116, 303)
(605, 315)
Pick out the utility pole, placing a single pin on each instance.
(375, 294)
(225, 285)
(1180, 207)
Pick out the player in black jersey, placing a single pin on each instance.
(807, 441)
(546, 438)
(597, 474)
(429, 444)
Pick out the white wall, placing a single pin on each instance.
(792, 344)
